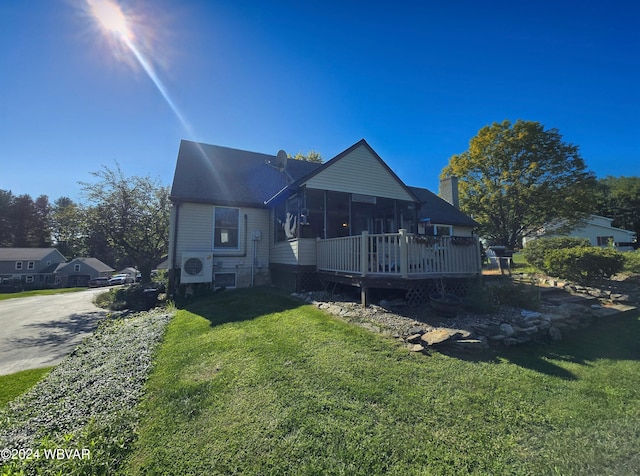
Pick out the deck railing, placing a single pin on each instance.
(399, 254)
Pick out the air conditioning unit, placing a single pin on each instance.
(197, 267)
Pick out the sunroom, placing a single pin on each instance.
(353, 235)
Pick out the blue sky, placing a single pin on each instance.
(415, 79)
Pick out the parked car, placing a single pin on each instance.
(98, 282)
(120, 279)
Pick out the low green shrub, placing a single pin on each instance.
(137, 297)
(583, 264)
(106, 299)
(536, 250)
(479, 298)
(485, 299)
(632, 261)
(512, 294)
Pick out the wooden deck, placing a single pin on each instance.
(400, 255)
(396, 260)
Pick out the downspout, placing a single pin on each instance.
(246, 234)
(172, 266)
(253, 262)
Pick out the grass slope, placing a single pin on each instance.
(39, 292)
(252, 383)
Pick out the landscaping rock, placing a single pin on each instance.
(507, 329)
(435, 337)
(564, 308)
(473, 345)
(555, 333)
(414, 338)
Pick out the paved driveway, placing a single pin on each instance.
(40, 331)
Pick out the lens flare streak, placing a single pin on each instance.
(112, 20)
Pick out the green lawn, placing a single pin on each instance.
(39, 292)
(248, 382)
(16, 384)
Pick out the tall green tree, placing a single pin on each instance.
(619, 199)
(311, 156)
(6, 235)
(41, 227)
(66, 227)
(515, 178)
(24, 223)
(132, 213)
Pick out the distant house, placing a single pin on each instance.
(131, 272)
(30, 265)
(244, 218)
(79, 271)
(598, 230)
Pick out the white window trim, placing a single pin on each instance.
(213, 238)
(19, 265)
(31, 264)
(29, 279)
(76, 268)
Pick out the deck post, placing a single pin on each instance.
(404, 253)
(364, 253)
(364, 291)
(318, 239)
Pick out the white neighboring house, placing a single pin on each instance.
(598, 231)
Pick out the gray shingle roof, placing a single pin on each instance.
(93, 263)
(96, 264)
(213, 174)
(439, 210)
(26, 254)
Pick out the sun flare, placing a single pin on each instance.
(109, 16)
(118, 28)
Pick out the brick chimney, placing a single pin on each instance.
(449, 190)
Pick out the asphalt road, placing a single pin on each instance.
(40, 331)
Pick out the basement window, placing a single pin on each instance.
(224, 280)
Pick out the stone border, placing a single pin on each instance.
(574, 307)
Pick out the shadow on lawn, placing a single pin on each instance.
(241, 304)
(613, 338)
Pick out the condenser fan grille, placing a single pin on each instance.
(193, 266)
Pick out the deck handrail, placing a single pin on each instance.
(399, 254)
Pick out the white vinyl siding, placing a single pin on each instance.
(195, 229)
(295, 252)
(462, 231)
(598, 230)
(195, 233)
(361, 173)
